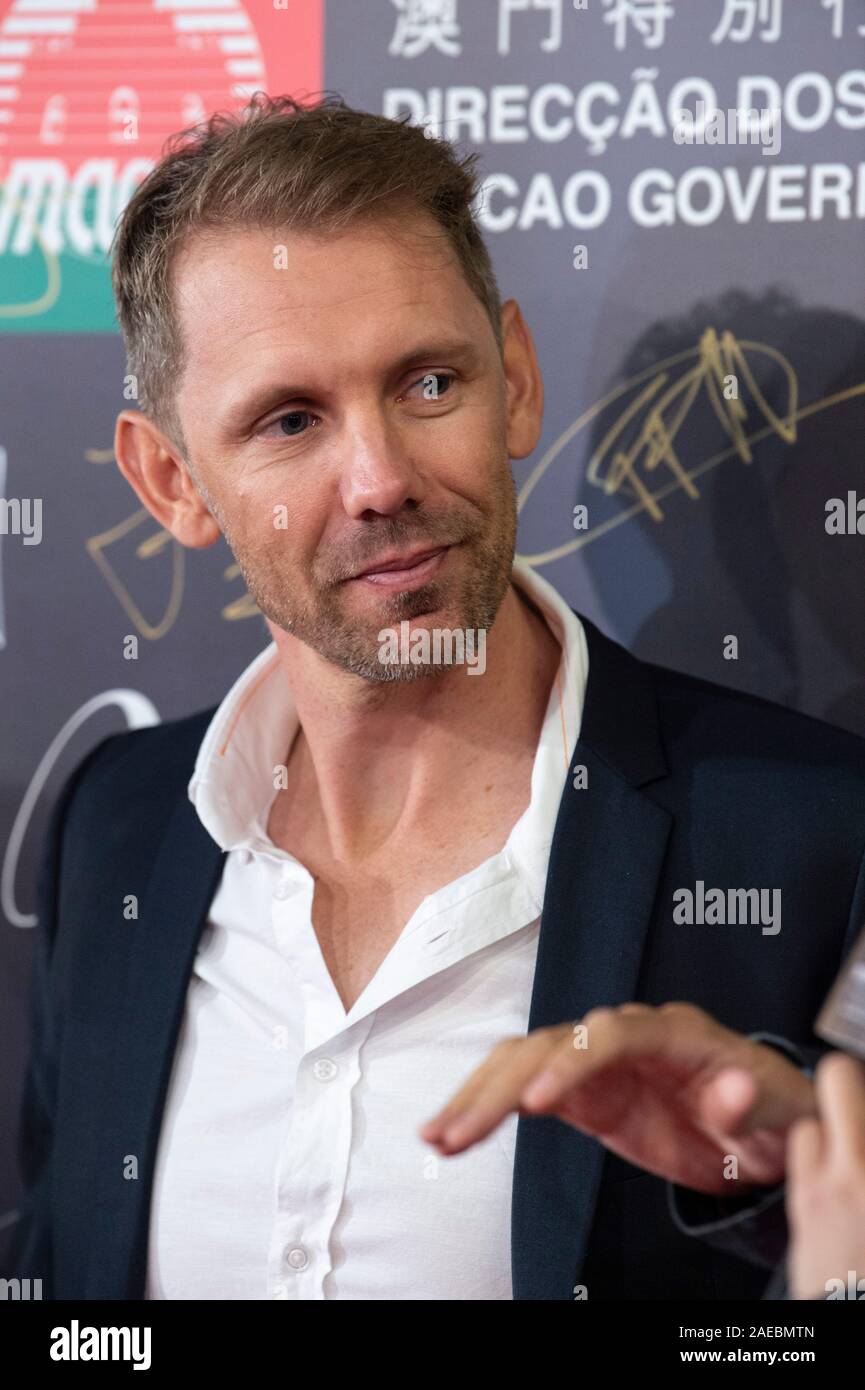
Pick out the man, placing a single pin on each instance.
(365, 868)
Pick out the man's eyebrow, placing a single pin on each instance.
(437, 349)
(249, 408)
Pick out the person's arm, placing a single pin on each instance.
(30, 1252)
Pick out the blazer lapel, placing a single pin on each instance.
(159, 964)
(606, 856)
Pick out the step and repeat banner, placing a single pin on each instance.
(674, 190)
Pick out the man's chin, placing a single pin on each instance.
(398, 648)
(367, 665)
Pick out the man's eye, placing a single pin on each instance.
(432, 385)
(293, 423)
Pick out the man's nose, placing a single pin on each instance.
(379, 473)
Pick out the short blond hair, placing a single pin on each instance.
(278, 164)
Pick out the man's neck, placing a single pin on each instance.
(376, 764)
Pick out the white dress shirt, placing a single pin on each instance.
(289, 1164)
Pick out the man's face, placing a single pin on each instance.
(346, 424)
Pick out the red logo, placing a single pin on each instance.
(91, 89)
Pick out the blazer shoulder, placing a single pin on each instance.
(631, 702)
(717, 715)
(148, 767)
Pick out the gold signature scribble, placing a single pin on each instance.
(666, 392)
(145, 550)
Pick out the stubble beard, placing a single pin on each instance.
(354, 647)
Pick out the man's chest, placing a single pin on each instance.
(358, 917)
(359, 911)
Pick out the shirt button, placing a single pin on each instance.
(325, 1069)
(244, 856)
(296, 1257)
(283, 890)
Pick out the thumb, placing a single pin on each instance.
(738, 1103)
(728, 1100)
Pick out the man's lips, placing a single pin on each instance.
(395, 570)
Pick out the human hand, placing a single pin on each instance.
(826, 1186)
(669, 1089)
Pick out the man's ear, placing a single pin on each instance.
(154, 469)
(525, 387)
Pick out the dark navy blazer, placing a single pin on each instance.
(687, 781)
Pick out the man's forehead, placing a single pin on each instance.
(236, 293)
(315, 264)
